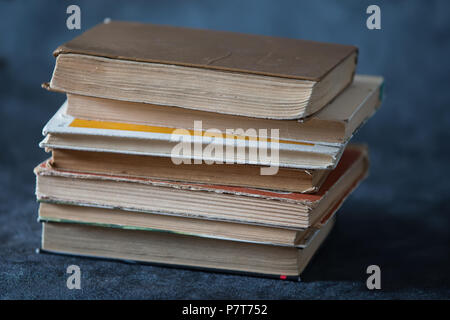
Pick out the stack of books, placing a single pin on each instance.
(201, 149)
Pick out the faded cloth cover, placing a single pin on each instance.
(217, 50)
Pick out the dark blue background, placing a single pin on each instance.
(397, 219)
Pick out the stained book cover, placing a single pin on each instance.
(208, 49)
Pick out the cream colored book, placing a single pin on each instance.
(335, 123)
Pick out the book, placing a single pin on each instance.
(215, 229)
(216, 71)
(119, 164)
(335, 123)
(314, 144)
(216, 202)
(282, 262)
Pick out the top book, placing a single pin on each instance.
(216, 71)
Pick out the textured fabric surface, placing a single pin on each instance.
(398, 218)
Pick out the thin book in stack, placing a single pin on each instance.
(118, 184)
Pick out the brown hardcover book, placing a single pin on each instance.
(217, 71)
(119, 164)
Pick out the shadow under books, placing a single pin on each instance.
(409, 252)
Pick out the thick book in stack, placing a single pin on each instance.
(201, 149)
